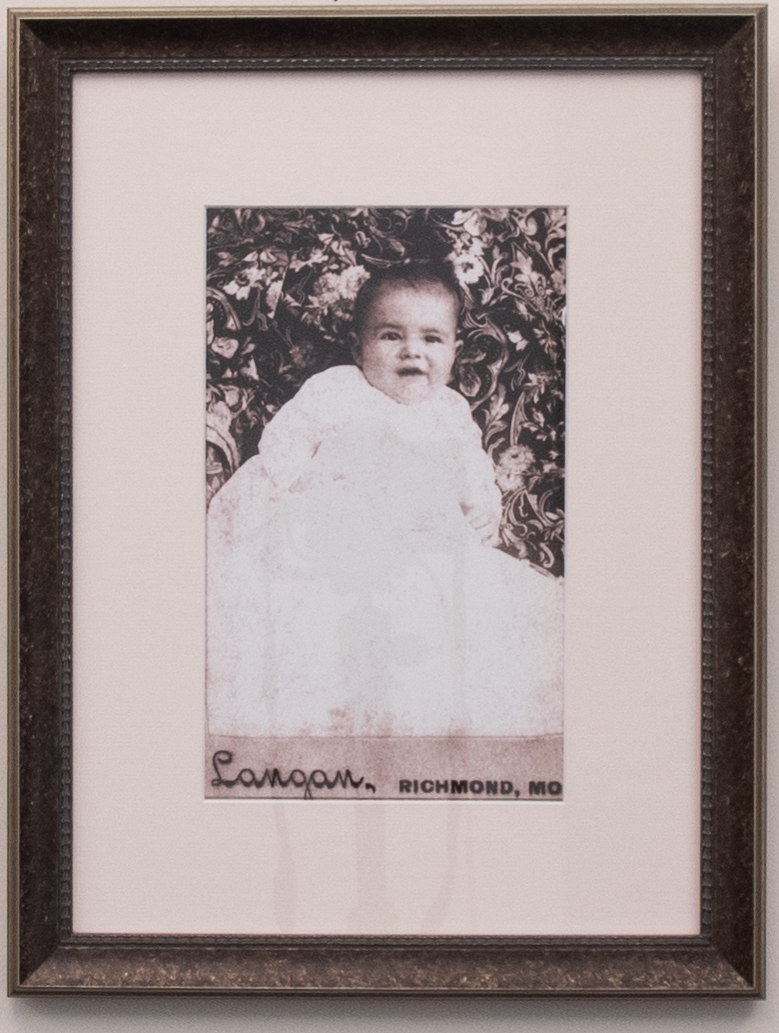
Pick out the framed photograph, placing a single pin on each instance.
(387, 501)
(385, 468)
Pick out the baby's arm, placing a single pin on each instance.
(290, 440)
(480, 498)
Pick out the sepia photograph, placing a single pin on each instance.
(385, 455)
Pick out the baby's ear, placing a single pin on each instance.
(354, 344)
(458, 347)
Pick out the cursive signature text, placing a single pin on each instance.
(273, 779)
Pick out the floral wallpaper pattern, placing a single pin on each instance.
(281, 283)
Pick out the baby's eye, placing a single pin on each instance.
(390, 335)
(433, 339)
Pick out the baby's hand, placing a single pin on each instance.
(486, 524)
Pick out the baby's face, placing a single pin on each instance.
(409, 341)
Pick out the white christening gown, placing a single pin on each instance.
(348, 593)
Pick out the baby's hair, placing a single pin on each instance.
(417, 275)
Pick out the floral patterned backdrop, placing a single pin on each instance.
(280, 287)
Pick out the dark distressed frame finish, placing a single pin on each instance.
(727, 47)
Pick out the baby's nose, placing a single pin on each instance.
(412, 346)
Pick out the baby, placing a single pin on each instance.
(405, 343)
(350, 591)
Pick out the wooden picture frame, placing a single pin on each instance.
(725, 47)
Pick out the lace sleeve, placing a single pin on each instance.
(480, 497)
(292, 437)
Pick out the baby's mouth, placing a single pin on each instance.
(411, 371)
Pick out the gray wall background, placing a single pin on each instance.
(464, 1016)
